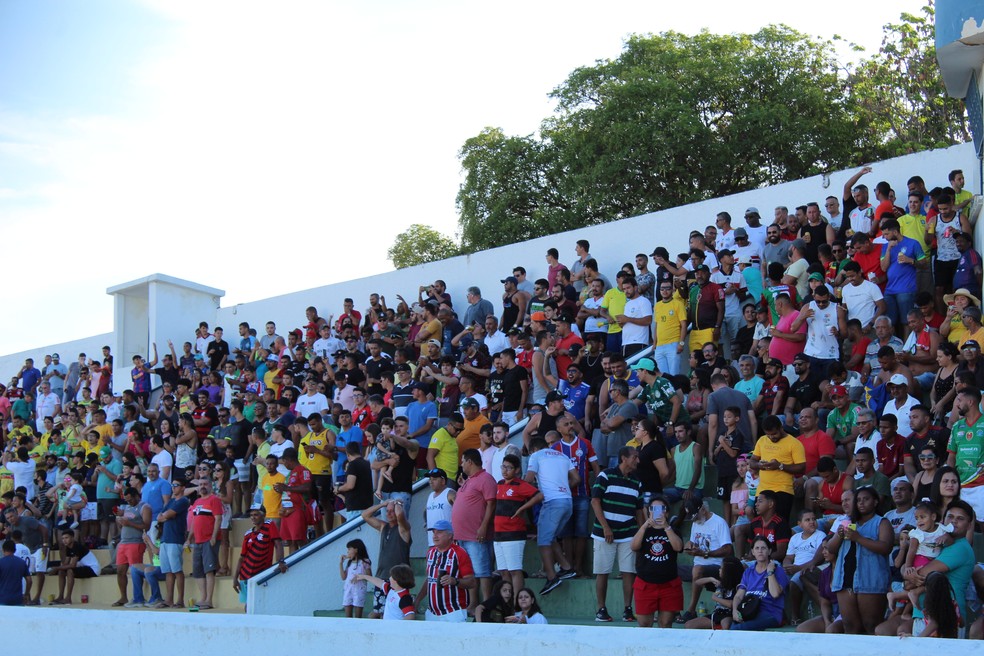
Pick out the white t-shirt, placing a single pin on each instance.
(798, 270)
(23, 474)
(712, 534)
(819, 342)
(860, 219)
(710, 260)
(902, 414)
(732, 306)
(860, 301)
(325, 347)
(551, 469)
(162, 460)
(637, 308)
(45, 407)
(756, 236)
(725, 240)
(307, 405)
(751, 252)
(804, 549)
(871, 442)
(594, 324)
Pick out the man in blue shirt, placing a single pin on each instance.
(13, 576)
(900, 258)
(174, 521)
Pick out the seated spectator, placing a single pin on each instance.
(527, 610)
(802, 559)
(499, 606)
(765, 580)
(709, 544)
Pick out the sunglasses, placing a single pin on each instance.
(930, 457)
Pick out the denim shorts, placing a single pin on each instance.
(578, 526)
(171, 556)
(481, 557)
(553, 516)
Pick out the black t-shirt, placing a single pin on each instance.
(355, 377)
(239, 437)
(77, 550)
(935, 439)
(377, 369)
(807, 392)
(216, 351)
(656, 561)
(359, 497)
(172, 375)
(646, 472)
(978, 372)
(512, 388)
(594, 374)
(403, 473)
(496, 610)
(743, 341)
(495, 387)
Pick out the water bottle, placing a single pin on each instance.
(647, 497)
(809, 609)
(701, 610)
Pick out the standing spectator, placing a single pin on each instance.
(778, 457)
(14, 575)
(439, 501)
(575, 533)
(514, 497)
(555, 475)
(670, 319)
(174, 518)
(449, 578)
(616, 425)
(687, 457)
(356, 488)
(472, 516)
(861, 574)
(944, 227)
(863, 298)
(261, 546)
(718, 401)
(735, 289)
(635, 318)
(478, 308)
(969, 270)
(786, 340)
(824, 320)
(394, 544)
(900, 258)
(293, 522)
(705, 309)
(206, 520)
(658, 589)
(616, 499)
(582, 250)
(132, 518)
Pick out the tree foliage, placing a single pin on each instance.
(900, 90)
(420, 244)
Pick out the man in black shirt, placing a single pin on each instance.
(515, 386)
(217, 351)
(403, 463)
(238, 431)
(357, 488)
(805, 390)
(377, 365)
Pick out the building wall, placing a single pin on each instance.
(145, 633)
(612, 244)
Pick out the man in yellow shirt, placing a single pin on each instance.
(670, 317)
(612, 305)
(442, 451)
(779, 458)
(272, 498)
(317, 454)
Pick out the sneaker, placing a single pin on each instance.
(628, 615)
(73, 525)
(565, 574)
(685, 617)
(602, 615)
(134, 604)
(153, 603)
(552, 584)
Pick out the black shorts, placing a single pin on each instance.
(325, 494)
(943, 272)
(106, 506)
(724, 488)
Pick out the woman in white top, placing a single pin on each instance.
(185, 443)
(527, 610)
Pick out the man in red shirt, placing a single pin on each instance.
(890, 450)
(869, 259)
(261, 544)
(565, 341)
(294, 518)
(206, 518)
(816, 445)
(449, 577)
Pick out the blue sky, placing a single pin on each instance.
(148, 136)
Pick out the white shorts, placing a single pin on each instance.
(604, 557)
(454, 616)
(90, 513)
(38, 562)
(354, 595)
(226, 517)
(509, 418)
(509, 555)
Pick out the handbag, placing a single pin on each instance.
(749, 607)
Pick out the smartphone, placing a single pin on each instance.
(657, 511)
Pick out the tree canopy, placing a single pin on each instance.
(677, 118)
(420, 244)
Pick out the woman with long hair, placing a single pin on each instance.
(862, 574)
(527, 610)
(222, 487)
(942, 393)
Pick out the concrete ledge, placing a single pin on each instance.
(154, 634)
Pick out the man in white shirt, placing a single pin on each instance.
(163, 459)
(636, 318)
(733, 283)
(710, 542)
(326, 345)
(495, 340)
(556, 476)
(823, 320)
(312, 401)
(900, 403)
(863, 298)
(48, 404)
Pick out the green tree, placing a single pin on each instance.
(420, 244)
(673, 120)
(900, 90)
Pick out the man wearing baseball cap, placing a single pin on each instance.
(514, 304)
(901, 403)
(842, 420)
(705, 309)
(449, 577)
(658, 394)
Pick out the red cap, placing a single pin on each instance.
(838, 390)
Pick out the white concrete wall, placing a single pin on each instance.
(145, 633)
(612, 244)
(11, 363)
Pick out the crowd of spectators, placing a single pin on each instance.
(814, 379)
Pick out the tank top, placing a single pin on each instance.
(834, 493)
(510, 312)
(438, 508)
(818, 235)
(393, 550)
(548, 422)
(946, 242)
(684, 460)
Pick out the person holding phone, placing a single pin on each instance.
(657, 587)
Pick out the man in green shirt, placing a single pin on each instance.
(658, 394)
(966, 446)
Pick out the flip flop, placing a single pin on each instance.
(119, 603)
(205, 607)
